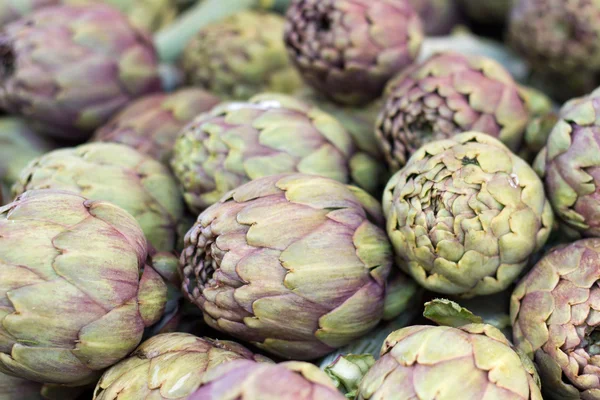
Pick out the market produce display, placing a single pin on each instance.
(152, 123)
(299, 199)
(240, 57)
(62, 70)
(268, 135)
(349, 49)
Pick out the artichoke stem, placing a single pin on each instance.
(171, 41)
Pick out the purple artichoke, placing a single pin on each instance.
(249, 380)
(572, 165)
(349, 49)
(68, 69)
(447, 94)
(554, 311)
(152, 123)
(295, 264)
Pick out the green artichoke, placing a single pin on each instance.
(268, 135)
(488, 11)
(450, 93)
(474, 361)
(248, 380)
(64, 71)
(349, 49)
(19, 144)
(117, 173)
(151, 124)
(241, 56)
(557, 35)
(295, 264)
(168, 366)
(571, 165)
(76, 290)
(554, 313)
(438, 16)
(465, 214)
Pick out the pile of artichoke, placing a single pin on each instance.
(299, 199)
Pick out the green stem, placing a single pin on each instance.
(171, 41)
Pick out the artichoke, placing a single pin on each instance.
(19, 144)
(438, 16)
(151, 124)
(241, 56)
(168, 366)
(465, 214)
(77, 293)
(145, 14)
(349, 49)
(554, 313)
(62, 69)
(474, 361)
(557, 35)
(268, 135)
(488, 11)
(117, 173)
(450, 93)
(571, 163)
(295, 264)
(248, 380)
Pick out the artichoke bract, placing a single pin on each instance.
(268, 135)
(117, 173)
(465, 215)
(557, 35)
(241, 56)
(248, 380)
(571, 164)
(295, 264)
(438, 16)
(450, 93)
(473, 361)
(152, 123)
(79, 299)
(19, 145)
(349, 49)
(554, 315)
(64, 71)
(169, 366)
